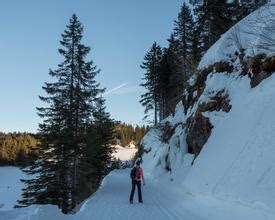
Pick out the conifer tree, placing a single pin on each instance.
(165, 72)
(183, 33)
(237, 10)
(212, 21)
(150, 99)
(70, 102)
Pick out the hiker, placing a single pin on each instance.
(136, 175)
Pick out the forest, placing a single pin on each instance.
(18, 149)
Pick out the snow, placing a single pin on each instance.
(124, 153)
(255, 34)
(236, 164)
(10, 187)
(234, 175)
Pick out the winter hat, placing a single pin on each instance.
(138, 162)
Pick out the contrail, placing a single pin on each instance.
(115, 89)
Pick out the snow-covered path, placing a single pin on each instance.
(163, 200)
(112, 201)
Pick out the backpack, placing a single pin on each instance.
(138, 174)
(133, 173)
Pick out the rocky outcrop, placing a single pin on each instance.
(198, 130)
(222, 66)
(198, 127)
(219, 102)
(167, 130)
(193, 93)
(260, 67)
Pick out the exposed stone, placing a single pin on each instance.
(198, 130)
(269, 65)
(260, 68)
(189, 99)
(218, 102)
(243, 62)
(222, 67)
(168, 163)
(167, 131)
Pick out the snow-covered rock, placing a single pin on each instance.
(236, 164)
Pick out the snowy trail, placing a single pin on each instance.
(114, 197)
(111, 201)
(163, 200)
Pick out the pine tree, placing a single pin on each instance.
(70, 102)
(212, 21)
(183, 33)
(150, 99)
(165, 71)
(237, 10)
(171, 78)
(215, 17)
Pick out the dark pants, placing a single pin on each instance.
(134, 183)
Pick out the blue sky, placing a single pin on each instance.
(119, 33)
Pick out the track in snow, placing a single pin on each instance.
(111, 201)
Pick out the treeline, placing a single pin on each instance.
(125, 133)
(167, 70)
(76, 131)
(18, 149)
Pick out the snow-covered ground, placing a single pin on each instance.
(124, 153)
(10, 187)
(163, 200)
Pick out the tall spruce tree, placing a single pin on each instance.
(150, 99)
(239, 9)
(176, 64)
(212, 21)
(70, 99)
(183, 33)
(171, 78)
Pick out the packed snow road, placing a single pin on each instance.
(111, 201)
(163, 200)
